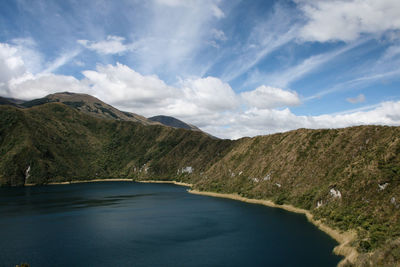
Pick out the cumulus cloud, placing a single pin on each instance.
(266, 97)
(29, 86)
(198, 100)
(11, 64)
(256, 121)
(347, 20)
(16, 59)
(121, 85)
(358, 99)
(112, 45)
(210, 93)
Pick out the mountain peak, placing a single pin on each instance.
(90, 105)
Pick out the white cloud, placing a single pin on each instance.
(255, 121)
(31, 86)
(27, 50)
(112, 45)
(121, 85)
(210, 93)
(358, 99)
(22, 74)
(347, 20)
(197, 100)
(266, 97)
(16, 60)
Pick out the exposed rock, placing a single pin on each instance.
(267, 178)
(382, 186)
(187, 169)
(335, 193)
(27, 173)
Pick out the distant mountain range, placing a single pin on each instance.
(347, 178)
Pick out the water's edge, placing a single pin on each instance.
(344, 239)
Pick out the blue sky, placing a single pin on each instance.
(233, 68)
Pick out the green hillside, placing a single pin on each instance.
(59, 143)
(349, 178)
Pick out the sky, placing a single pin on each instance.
(233, 68)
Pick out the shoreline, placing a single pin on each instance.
(343, 238)
(86, 181)
(164, 182)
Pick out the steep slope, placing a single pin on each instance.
(89, 105)
(349, 178)
(58, 143)
(173, 122)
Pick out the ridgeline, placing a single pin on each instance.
(347, 178)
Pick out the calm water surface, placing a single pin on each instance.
(134, 224)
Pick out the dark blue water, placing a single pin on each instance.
(134, 224)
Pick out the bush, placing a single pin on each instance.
(364, 246)
(280, 200)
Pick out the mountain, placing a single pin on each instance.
(89, 105)
(347, 178)
(173, 122)
(61, 143)
(10, 101)
(95, 107)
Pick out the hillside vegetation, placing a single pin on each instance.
(349, 178)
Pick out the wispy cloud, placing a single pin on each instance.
(266, 37)
(283, 78)
(61, 61)
(364, 80)
(112, 45)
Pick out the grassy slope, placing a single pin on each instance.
(60, 143)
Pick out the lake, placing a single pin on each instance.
(137, 224)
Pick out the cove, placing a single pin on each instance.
(139, 224)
